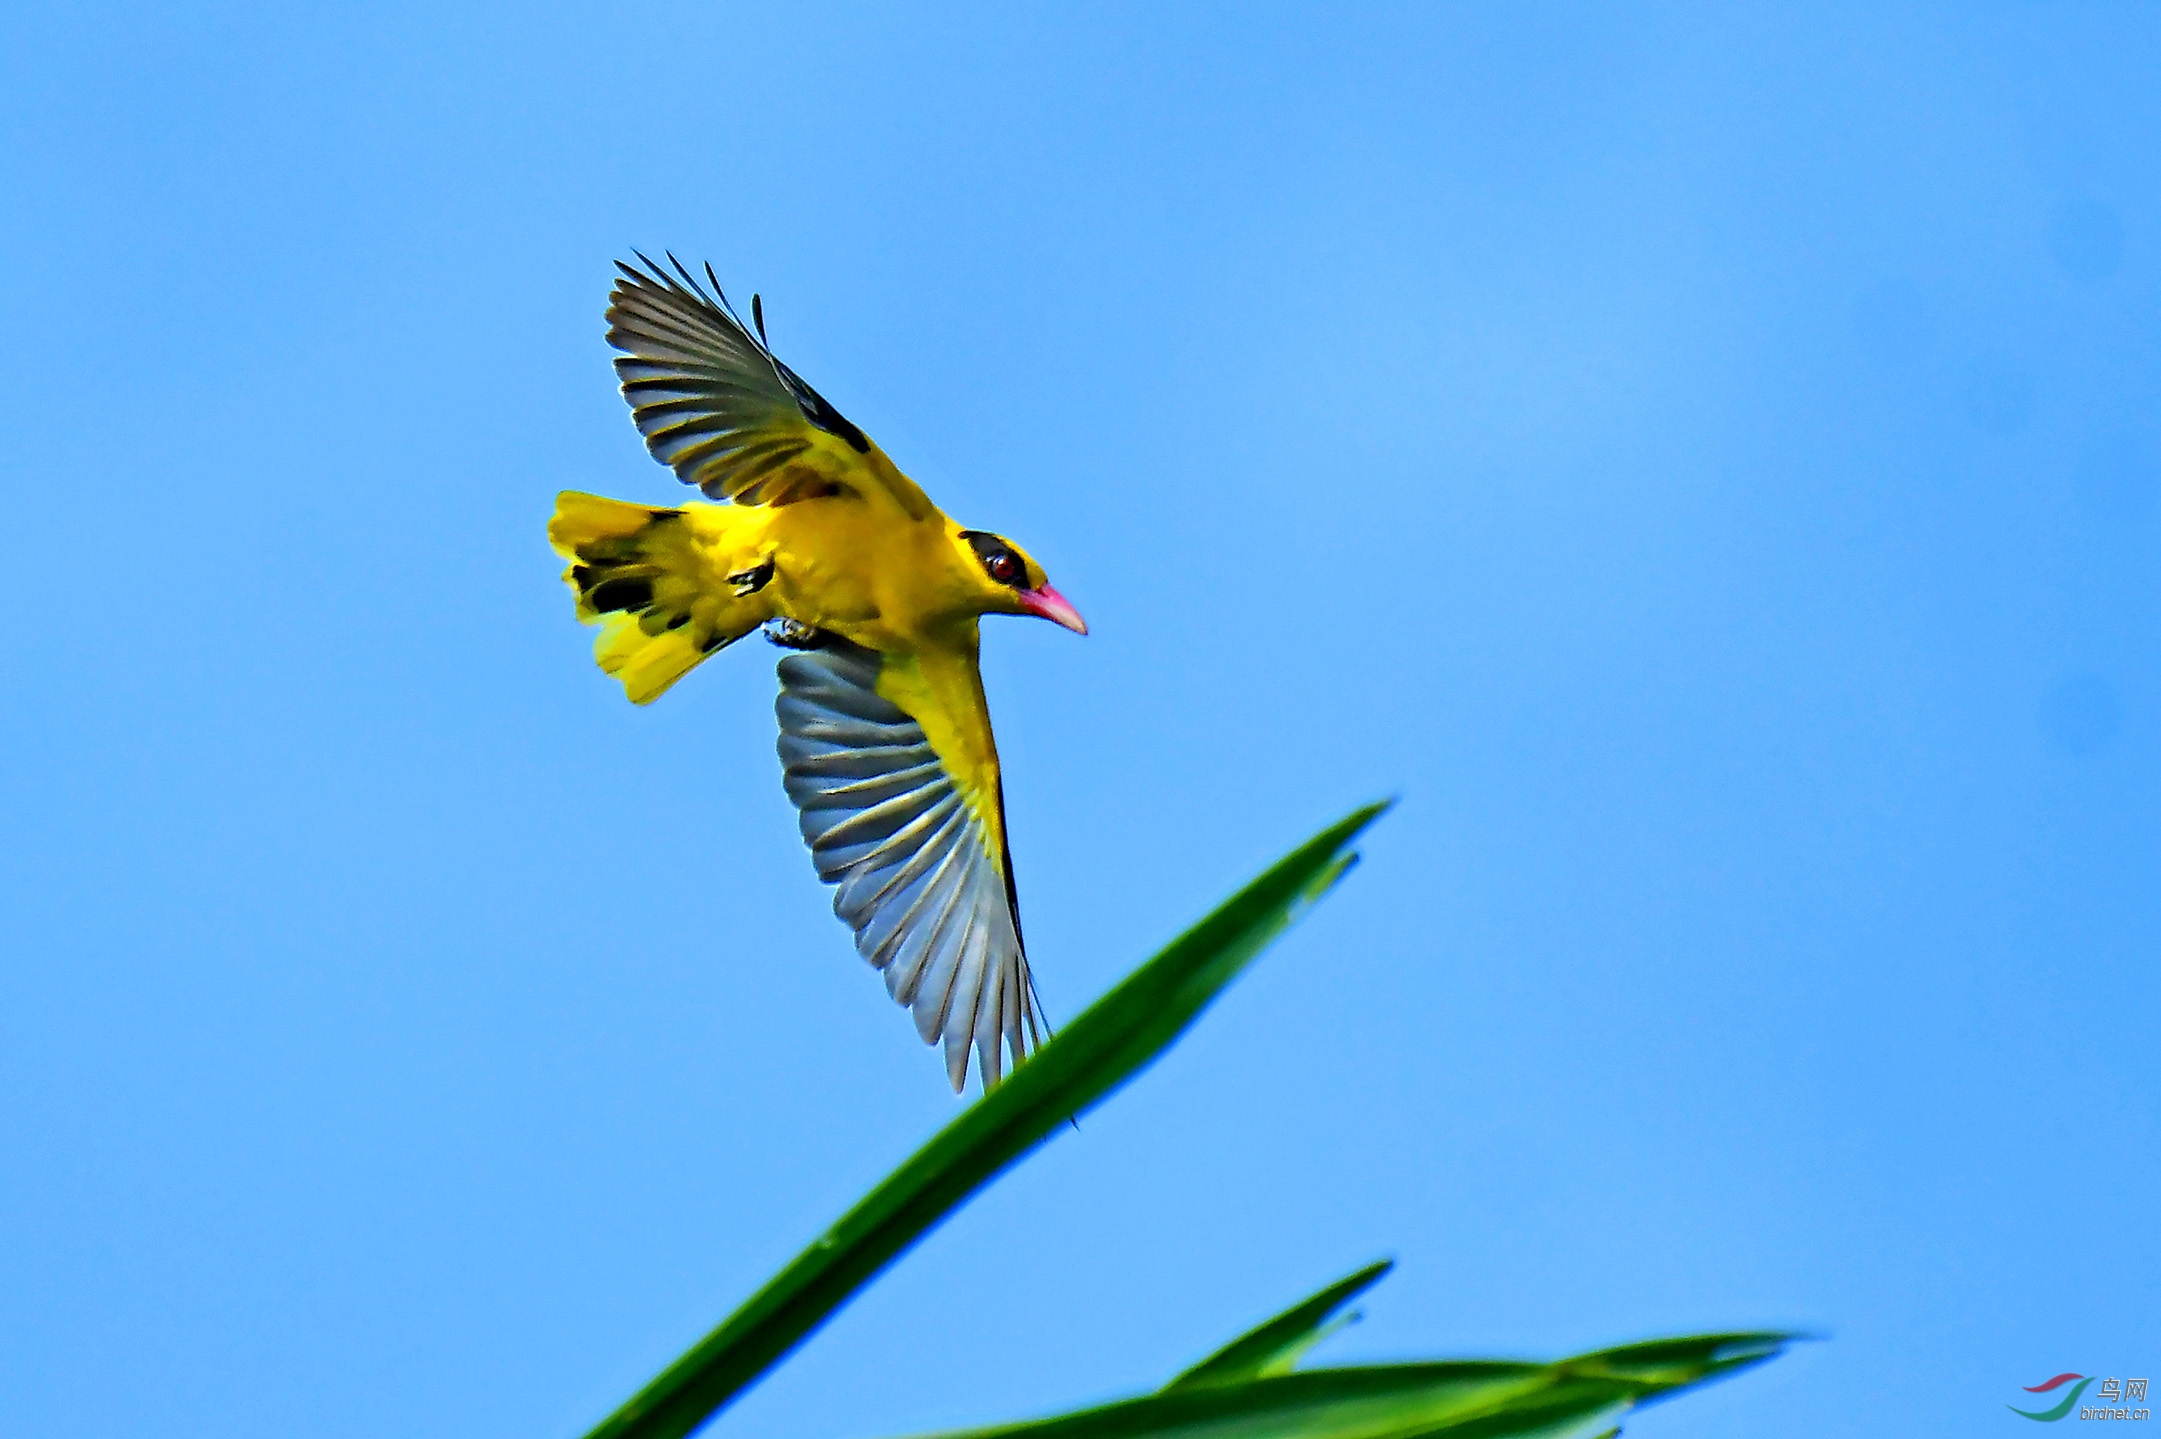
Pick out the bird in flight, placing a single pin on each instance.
(885, 738)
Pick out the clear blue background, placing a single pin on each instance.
(1705, 460)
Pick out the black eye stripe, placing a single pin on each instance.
(998, 558)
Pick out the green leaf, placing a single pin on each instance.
(1276, 1346)
(1463, 1399)
(1106, 1045)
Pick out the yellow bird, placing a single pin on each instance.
(885, 739)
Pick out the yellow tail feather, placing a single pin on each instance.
(642, 575)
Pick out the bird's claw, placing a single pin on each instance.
(795, 635)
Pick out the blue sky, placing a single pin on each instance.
(1704, 460)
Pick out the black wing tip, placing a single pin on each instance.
(654, 278)
(697, 289)
(631, 278)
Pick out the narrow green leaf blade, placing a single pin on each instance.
(1460, 1399)
(1106, 1045)
(1273, 1347)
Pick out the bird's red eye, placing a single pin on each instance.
(999, 560)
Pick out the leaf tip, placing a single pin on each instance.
(1751, 1347)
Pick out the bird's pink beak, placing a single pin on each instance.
(1051, 605)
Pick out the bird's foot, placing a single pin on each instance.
(749, 582)
(795, 635)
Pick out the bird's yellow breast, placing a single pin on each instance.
(861, 569)
(900, 587)
(848, 565)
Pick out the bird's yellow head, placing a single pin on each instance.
(1005, 581)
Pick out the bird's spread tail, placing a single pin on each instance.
(639, 574)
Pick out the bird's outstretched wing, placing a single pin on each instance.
(917, 850)
(717, 407)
